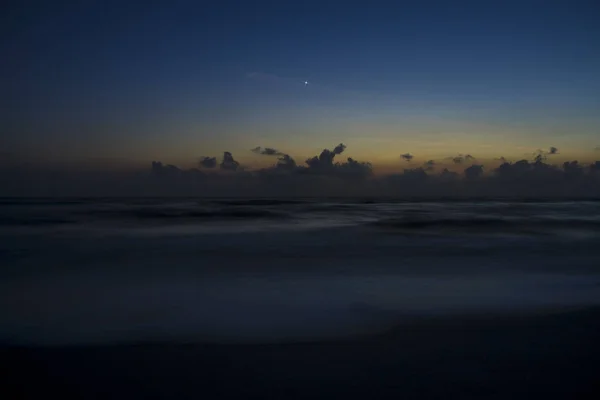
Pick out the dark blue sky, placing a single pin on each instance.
(97, 80)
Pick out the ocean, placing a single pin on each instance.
(299, 298)
(119, 270)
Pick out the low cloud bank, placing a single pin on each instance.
(325, 174)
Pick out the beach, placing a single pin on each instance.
(550, 355)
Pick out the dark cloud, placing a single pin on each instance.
(521, 178)
(446, 174)
(539, 179)
(429, 165)
(506, 169)
(339, 149)
(415, 174)
(407, 156)
(525, 178)
(267, 151)
(208, 162)
(569, 165)
(501, 158)
(322, 175)
(474, 171)
(321, 162)
(542, 155)
(323, 165)
(573, 170)
(228, 163)
(597, 148)
(407, 181)
(524, 169)
(459, 159)
(324, 162)
(193, 174)
(164, 170)
(157, 167)
(285, 162)
(355, 168)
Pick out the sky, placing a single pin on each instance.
(107, 85)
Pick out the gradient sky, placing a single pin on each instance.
(109, 83)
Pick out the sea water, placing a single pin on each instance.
(81, 271)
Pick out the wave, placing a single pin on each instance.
(151, 215)
(489, 225)
(276, 306)
(409, 218)
(257, 202)
(333, 207)
(190, 214)
(9, 201)
(33, 221)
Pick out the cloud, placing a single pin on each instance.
(355, 168)
(407, 157)
(324, 174)
(415, 174)
(597, 148)
(267, 151)
(572, 170)
(323, 166)
(429, 165)
(325, 160)
(339, 149)
(539, 179)
(523, 169)
(459, 159)
(285, 162)
(474, 171)
(542, 155)
(446, 174)
(571, 165)
(321, 162)
(228, 163)
(208, 162)
(164, 170)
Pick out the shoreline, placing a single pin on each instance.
(552, 354)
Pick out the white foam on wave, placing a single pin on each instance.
(89, 308)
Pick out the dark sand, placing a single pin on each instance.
(546, 356)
